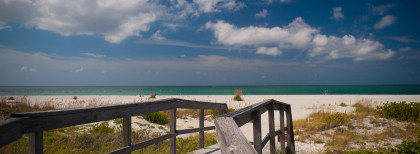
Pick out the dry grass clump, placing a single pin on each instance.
(21, 104)
(237, 96)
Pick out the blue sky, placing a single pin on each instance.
(208, 42)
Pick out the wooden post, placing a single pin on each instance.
(290, 135)
(282, 139)
(201, 125)
(36, 142)
(256, 122)
(127, 131)
(173, 131)
(271, 128)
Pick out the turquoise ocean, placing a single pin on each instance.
(216, 90)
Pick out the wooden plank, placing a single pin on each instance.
(126, 131)
(10, 130)
(230, 138)
(282, 138)
(290, 134)
(36, 143)
(271, 128)
(172, 130)
(201, 134)
(256, 123)
(143, 144)
(193, 130)
(267, 138)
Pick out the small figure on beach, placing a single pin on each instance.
(327, 92)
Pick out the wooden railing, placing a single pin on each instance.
(34, 123)
(231, 139)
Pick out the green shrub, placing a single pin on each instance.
(156, 117)
(75, 97)
(237, 96)
(101, 128)
(407, 147)
(117, 121)
(336, 119)
(401, 111)
(11, 98)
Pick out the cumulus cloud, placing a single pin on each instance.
(295, 35)
(114, 20)
(298, 35)
(261, 14)
(26, 68)
(93, 55)
(386, 21)
(274, 51)
(348, 46)
(337, 13)
(208, 6)
(33, 70)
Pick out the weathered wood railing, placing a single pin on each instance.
(34, 123)
(231, 139)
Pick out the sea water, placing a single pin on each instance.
(216, 90)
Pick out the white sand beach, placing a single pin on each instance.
(302, 106)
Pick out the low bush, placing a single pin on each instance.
(157, 117)
(401, 111)
(100, 128)
(75, 97)
(336, 119)
(342, 104)
(407, 147)
(11, 98)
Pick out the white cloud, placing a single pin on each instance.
(403, 39)
(300, 36)
(157, 36)
(274, 51)
(386, 21)
(93, 55)
(23, 68)
(348, 46)
(261, 14)
(337, 13)
(183, 56)
(208, 6)
(405, 49)
(81, 69)
(264, 77)
(3, 26)
(296, 34)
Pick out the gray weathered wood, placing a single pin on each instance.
(173, 131)
(282, 138)
(201, 125)
(256, 123)
(271, 128)
(126, 131)
(290, 135)
(10, 130)
(267, 138)
(35, 143)
(230, 138)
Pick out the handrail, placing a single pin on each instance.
(34, 123)
(231, 139)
